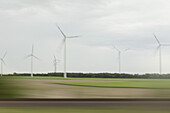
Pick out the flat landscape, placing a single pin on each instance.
(57, 87)
(91, 88)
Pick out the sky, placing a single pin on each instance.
(126, 24)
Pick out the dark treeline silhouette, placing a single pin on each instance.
(98, 75)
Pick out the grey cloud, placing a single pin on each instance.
(127, 24)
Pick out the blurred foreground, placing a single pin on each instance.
(80, 88)
(20, 95)
(83, 110)
(85, 105)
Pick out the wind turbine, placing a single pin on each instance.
(2, 62)
(32, 56)
(55, 61)
(159, 47)
(65, 49)
(119, 55)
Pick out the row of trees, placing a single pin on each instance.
(97, 75)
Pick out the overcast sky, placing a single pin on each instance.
(101, 23)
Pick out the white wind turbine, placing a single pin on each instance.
(32, 56)
(159, 47)
(2, 62)
(55, 61)
(65, 47)
(119, 55)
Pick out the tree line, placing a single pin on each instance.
(97, 75)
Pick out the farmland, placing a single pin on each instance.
(58, 87)
(126, 83)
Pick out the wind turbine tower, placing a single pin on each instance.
(159, 47)
(2, 62)
(55, 63)
(65, 49)
(119, 55)
(32, 56)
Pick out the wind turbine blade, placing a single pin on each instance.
(61, 32)
(57, 60)
(61, 45)
(32, 48)
(27, 56)
(3, 61)
(4, 55)
(126, 50)
(165, 44)
(54, 57)
(116, 48)
(156, 39)
(74, 36)
(36, 57)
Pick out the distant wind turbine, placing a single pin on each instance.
(32, 56)
(159, 47)
(2, 62)
(119, 55)
(65, 47)
(55, 61)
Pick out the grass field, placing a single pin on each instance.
(108, 82)
(28, 77)
(62, 78)
(58, 87)
(82, 110)
(125, 83)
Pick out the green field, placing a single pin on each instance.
(28, 77)
(125, 83)
(58, 87)
(60, 78)
(82, 110)
(71, 78)
(107, 82)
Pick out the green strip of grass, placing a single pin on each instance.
(28, 77)
(83, 110)
(140, 83)
(62, 78)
